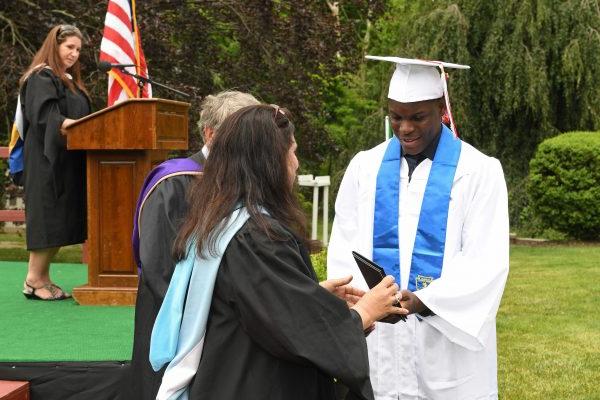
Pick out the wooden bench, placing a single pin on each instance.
(10, 215)
(14, 390)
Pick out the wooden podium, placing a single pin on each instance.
(123, 143)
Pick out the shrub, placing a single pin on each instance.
(564, 184)
(319, 261)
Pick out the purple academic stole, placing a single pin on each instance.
(169, 168)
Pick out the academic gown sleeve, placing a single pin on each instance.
(43, 92)
(345, 227)
(287, 313)
(161, 218)
(468, 293)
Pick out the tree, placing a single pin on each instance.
(532, 68)
(533, 64)
(280, 51)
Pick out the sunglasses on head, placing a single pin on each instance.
(66, 29)
(277, 110)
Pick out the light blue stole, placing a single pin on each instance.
(178, 334)
(428, 253)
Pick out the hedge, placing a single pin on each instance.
(564, 184)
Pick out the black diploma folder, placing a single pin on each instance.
(373, 274)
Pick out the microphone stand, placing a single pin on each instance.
(142, 80)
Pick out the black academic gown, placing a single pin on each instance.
(273, 332)
(161, 218)
(55, 186)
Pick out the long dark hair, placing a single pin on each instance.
(247, 165)
(48, 56)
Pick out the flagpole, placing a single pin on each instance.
(136, 48)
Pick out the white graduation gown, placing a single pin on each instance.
(451, 355)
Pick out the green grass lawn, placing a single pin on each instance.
(548, 323)
(12, 248)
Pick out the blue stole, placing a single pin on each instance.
(428, 252)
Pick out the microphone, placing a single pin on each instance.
(105, 66)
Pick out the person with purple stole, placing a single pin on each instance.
(161, 209)
(433, 212)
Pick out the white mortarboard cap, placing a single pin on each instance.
(417, 80)
(420, 80)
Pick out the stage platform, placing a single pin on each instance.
(65, 351)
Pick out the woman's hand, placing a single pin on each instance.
(379, 302)
(66, 123)
(341, 289)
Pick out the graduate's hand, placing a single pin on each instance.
(66, 123)
(411, 302)
(379, 302)
(341, 289)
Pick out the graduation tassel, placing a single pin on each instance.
(448, 115)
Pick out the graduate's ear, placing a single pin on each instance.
(208, 136)
(442, 106)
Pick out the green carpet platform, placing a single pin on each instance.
(65, 351)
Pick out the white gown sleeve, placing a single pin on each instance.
(468, 293)
(345, 227)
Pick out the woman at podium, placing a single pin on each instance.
(52, 96)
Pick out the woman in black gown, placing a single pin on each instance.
(272, 331)
(52, 96)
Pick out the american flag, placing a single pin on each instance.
(121, 44)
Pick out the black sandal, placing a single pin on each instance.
(56, 293)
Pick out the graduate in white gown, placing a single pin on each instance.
(432, 211)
